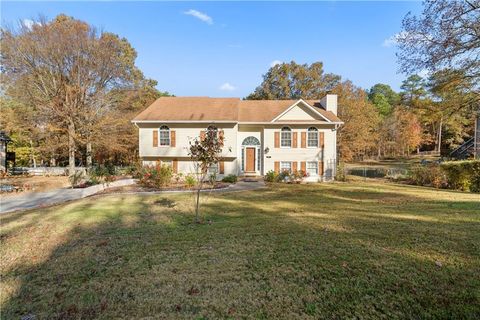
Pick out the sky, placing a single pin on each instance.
(222, 49)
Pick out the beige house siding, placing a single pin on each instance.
(327, 154)
(184, 133)
(298, 117)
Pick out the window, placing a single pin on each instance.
(212, 130)
(312, 168)
(164, 136)
(312, 137)
(285, 166)
(286, 137)
(213, 169)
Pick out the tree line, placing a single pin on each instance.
(69, 91)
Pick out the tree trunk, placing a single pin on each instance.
(439, 149)
(197, 208)
(89, 154)
(71, 148)
(32, 155)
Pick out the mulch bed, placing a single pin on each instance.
(137, 188)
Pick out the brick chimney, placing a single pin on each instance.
(329, 103)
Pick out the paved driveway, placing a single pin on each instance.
(43, 199)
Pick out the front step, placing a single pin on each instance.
(250, 178)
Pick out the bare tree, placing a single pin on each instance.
(445, 36)
(66, 68)
(205, 152)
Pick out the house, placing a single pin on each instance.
(259, 135)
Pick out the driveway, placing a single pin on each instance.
(43, 199)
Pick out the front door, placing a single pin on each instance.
(250, 160)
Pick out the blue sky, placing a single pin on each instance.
(223, 48)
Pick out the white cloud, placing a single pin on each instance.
(227, 87)
(199, 15)
(393, 40)
(29, 23)
(274, 63)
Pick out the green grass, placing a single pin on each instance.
(398, 163)
(364, 250)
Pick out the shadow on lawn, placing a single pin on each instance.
(267, 254)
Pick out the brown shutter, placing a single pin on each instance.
(304, 139)
(175, 165)
(320, 168)
(221, 135)
(277, 167)
(202, 135)
(155, 138)
(277, 139)
(222, 167)
(173, 138)
(294, 166)
(321, 138)
(303, 166)
(158, 163)
(295, 138)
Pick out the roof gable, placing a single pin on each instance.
(300, 111)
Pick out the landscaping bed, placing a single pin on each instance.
(172, 187)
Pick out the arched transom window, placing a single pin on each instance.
(164, 136)
(250, 141)
(286, 137)
(312, 138)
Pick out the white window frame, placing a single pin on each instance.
(315, 133)
(213, 169)
(315, 165)
(289, 131)
(163, 130)
(285, 164)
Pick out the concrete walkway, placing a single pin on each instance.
(44, 199)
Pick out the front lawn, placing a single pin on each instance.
(365, 249)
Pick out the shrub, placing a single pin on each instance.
(178, 177)
(429, 175)
(156, 177)
(212, 178)
(190, 180)
(341, 174)
(76, 177)
(463, 175)
(297, 176)
(284, 176)
(231, 178)
(270, 176)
